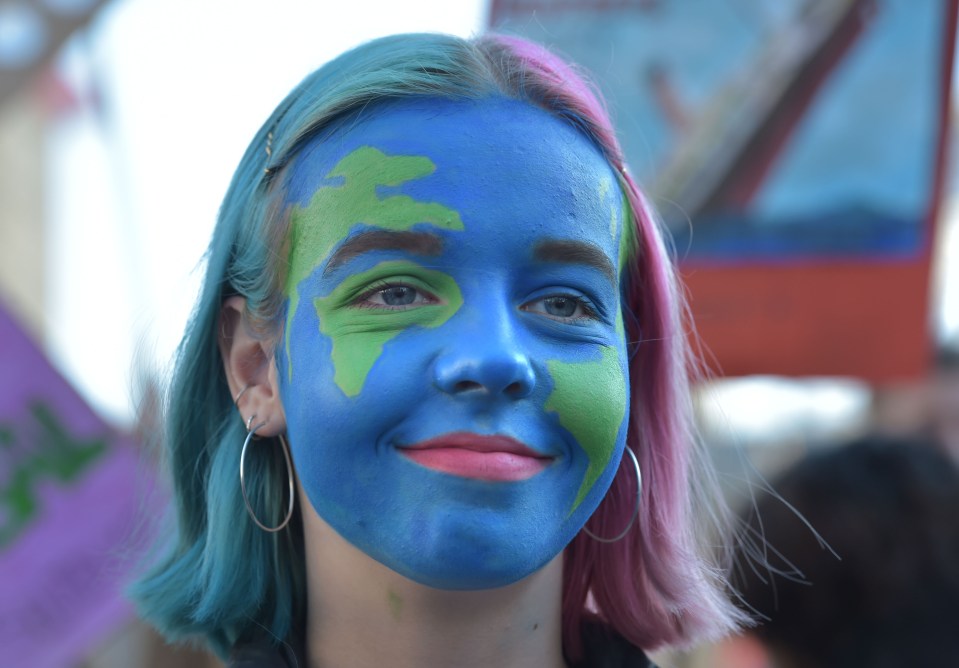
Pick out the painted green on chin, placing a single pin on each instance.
(359, 333)
(590, 399)
(333, 211)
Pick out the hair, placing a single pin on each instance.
(946, 358)
(884, 592)
(221, 576)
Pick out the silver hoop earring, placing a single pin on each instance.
(639, 491)
(236, 402)
(250, 434)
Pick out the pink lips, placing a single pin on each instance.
(491, 458)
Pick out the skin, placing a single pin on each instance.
(359, 336)
(454, 269)
(351, 198)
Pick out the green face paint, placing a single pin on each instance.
(604, 188)
(334, 210)
(359, 334)
(627, 244)
(590, 399)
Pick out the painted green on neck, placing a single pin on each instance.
(590, 399)
(333, 211)
(359, 334)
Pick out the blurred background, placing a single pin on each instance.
(798, 151)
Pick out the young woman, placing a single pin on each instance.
(432, 408)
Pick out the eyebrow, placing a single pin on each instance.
(576, 252)
(420, 243)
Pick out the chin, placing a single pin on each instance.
(469, 556)
(460, 578)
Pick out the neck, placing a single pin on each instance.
(362, 614)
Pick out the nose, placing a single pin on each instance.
(488, 368)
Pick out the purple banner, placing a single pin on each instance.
(69, 500)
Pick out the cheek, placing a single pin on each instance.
(590, 398)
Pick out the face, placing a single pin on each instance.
(453, 368)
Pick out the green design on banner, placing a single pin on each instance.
(51, 452)
(359, 334)
(590, 399)
(334, 210)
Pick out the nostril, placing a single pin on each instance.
(466, 386)
(489, 374)
(515, 389)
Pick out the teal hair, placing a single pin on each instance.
(219, 577)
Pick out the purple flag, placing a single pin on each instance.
(68, 502)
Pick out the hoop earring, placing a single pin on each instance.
(639, 491)
(250, 434)
(236, 402)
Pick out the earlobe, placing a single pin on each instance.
(250, 369)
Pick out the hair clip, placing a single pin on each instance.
(269, 152)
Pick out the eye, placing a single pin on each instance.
(566, 308)
(390, 296)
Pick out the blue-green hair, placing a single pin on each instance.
(219, 577)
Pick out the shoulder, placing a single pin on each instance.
(605, 648)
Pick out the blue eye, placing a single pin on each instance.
(561, 307)
(393, 296)
(398, 295)
(565, 308)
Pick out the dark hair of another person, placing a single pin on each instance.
(889, 596)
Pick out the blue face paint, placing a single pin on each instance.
(456, 401)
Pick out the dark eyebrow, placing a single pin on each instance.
(420, 243)
(577, 252)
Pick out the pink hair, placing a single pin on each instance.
(657, 586)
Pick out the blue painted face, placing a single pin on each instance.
(453, 368)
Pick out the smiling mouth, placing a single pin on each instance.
(490, 458)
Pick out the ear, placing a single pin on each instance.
(250, 369)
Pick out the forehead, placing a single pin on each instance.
(504, 166)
